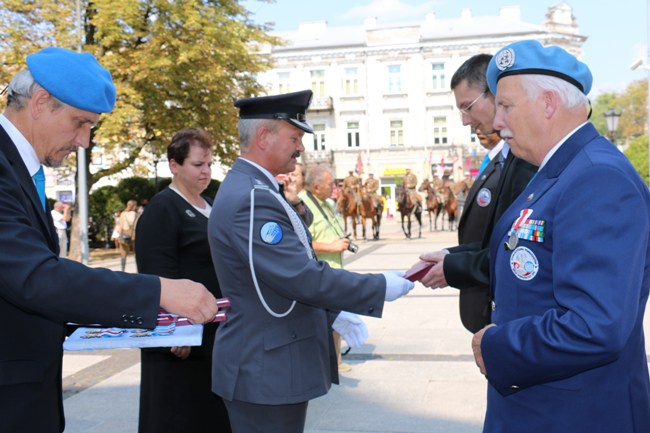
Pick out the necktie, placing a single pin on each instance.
(484, 164)
(39, 181)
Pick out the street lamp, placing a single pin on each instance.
(611, 119)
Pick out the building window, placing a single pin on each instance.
(319, 136)
(351, 81)
(394, 78)
(440, 130)
(353, 134)
(318, 83)
(396, 133)
(438, 76)
(284, 82)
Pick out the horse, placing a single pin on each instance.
(451, 206)
(347, 206)
(367, 210)
(406, 207)
(433, 204)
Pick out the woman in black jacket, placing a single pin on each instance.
(172, 241)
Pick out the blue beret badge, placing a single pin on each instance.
(271, 233)
(505, 59)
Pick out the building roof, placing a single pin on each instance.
(318, 35)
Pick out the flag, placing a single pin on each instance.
(358, 169)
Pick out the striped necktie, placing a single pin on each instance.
(39, 181)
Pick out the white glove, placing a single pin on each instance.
(396, 285)
(353, 330)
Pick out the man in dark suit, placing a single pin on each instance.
(275, 352)
(51, 108)
(500, 181)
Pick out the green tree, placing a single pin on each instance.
(175, 64)
(102, 205)
(637, 152)
(135, 188)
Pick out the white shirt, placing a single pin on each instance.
(27, 152)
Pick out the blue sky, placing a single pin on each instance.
(617, 31)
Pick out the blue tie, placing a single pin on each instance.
(484, 164)
(39, 180)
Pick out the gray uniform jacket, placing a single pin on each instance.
(259, 358)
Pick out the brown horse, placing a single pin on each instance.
(367, 210)
(451, 206)
(433, 204)
(348, 208)
(406, 207)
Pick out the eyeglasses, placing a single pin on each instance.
(471, 104)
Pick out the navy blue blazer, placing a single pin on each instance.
(39, 293)
(260, 358)
(568, 351)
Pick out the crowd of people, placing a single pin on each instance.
(552, 264)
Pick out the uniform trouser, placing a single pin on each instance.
(263, 418)
(63, 242)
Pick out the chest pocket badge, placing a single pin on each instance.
(484, 197)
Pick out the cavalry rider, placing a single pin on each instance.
(437, 186)
(351, 186)
(410, 182)
(372, 186)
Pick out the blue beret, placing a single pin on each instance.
(290, 107)
(76, 79)
(530, 57)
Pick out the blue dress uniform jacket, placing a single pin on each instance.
(39, 293)
(568, 351)
(263, 359)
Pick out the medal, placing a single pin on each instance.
(511, 244)
(513, 239)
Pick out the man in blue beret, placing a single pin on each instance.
(51, 107)
(276, 351)
(570, 261)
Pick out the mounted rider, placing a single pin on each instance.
(410, 182)
(371, 186)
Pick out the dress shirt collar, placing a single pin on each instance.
(557, 146)
(25, 149)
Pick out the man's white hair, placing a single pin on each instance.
(570, 95)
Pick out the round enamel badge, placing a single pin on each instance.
(484, 197)
(505, 59)
(271, 233)
(524, 264)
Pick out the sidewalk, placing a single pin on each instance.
(415, 374)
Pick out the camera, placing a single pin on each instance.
(352, 247)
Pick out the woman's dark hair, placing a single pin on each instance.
(179, 147)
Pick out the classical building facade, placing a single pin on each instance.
(382, 100)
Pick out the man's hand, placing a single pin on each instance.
(290, 190)
(435, 278)
(476, 348)
(353, 330)
(396, 285)
(188, 299)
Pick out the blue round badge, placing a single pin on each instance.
(271, 233)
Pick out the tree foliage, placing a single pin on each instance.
(637, 152)
(175, 64)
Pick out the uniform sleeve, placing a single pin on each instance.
(599, 240)
(282, 266)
